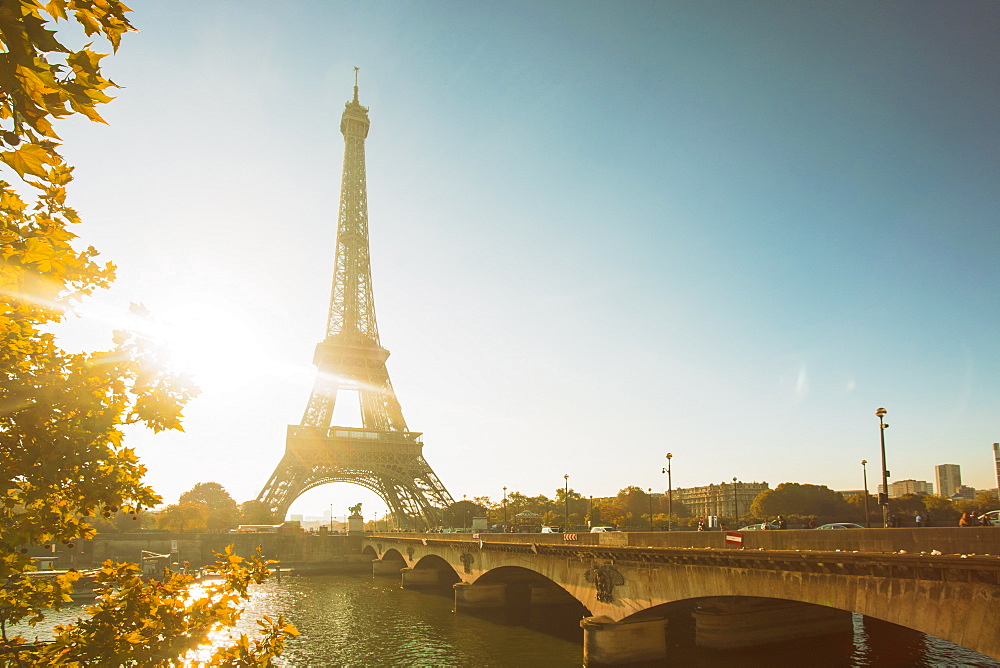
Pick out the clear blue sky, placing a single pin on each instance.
(600, 232)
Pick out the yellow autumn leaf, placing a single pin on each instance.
(56, 9)
(29, 159)
(36, 251)
(33, 84)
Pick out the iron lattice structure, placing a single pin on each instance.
(382, 455)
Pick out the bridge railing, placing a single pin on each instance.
(946, 540)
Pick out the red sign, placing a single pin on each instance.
(569, 536)
(733, 538)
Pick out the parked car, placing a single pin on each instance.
(603, 530)
(761, 527)
(840, 525)
(992, 518)
(551, 529)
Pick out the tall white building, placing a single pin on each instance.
(949, 479)
(996, 460)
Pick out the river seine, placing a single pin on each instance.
(357, 620)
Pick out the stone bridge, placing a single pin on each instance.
(775, 586)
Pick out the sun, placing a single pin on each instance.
(208, 339)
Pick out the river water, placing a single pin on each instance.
(358, 620)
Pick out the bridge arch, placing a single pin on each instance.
(392, 554)
(527, 586)
(447, 575)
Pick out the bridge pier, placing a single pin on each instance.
(386, 567)
(606, 642)
(479, 597)
(419, 577)
(727, 623)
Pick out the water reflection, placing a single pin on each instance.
(348, 620)
(365, 621)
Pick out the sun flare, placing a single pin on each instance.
(211, 343)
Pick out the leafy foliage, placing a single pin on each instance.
(856, 510)
(461, 513)
(792, 498)
(222, 512)
(136, 623)
(123, 522)
(212, 494)
(631, 509)
(190, 516)
(61, 414)
(256, 512)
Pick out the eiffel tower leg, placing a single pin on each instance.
(284, 486)
(396, 506)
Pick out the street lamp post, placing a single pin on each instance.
(566, 503)
(331, 518)
(670, 492)
(650, 508)
(736, 506)
(864, 473)
(883, 497)
(505, 508)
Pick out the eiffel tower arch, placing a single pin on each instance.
(383, 454)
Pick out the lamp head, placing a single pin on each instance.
(670, 455)
(864, 461)
(880, 412)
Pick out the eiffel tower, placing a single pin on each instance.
(383, 455)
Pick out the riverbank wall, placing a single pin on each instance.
(294, 551)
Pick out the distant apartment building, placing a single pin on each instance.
(948, 478)
(963, 492)
(904, 487)
(726, 499)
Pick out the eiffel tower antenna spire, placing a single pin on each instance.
(383, 455)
